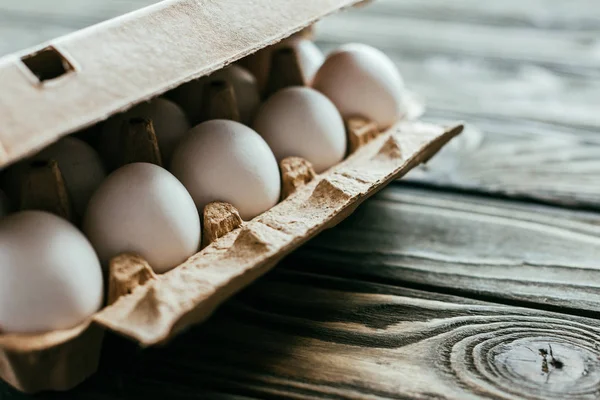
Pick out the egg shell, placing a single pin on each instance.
(169, 121)
(222, 160)
(81, 167)
(302, 122)
(362, 82)
(190, 95)
(143, 209)
(51, 276)
(310, 58)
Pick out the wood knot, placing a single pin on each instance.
(530, 359)
(549, 359)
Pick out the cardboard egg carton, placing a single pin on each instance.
(81, 79)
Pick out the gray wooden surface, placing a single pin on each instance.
(451, 284)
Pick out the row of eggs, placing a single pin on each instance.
(51, 275)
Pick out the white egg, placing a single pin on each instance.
(302, 122)
(190, 95)
(310, 58)
(81, 167)
(51, 276)
(223, 160)
(143, 209)
(362, 82)
(170, 125)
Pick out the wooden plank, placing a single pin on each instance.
(576, 15)
(519, 158)
(300, 336)
(531, 133)
(523, 91)
(559, 49)
(540, 256)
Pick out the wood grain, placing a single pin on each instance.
(580, 15)
(314, 337)
(519, 158)
(506, 251)
(554, 48)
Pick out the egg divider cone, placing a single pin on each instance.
(149, 308)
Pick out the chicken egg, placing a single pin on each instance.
(190, 95)
(362, 82)
(302, 122)
(169, 121)
(143, 209)
(222, 160)
(51, 276)
(310, 58)
(81, 167)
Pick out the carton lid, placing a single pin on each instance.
(83, 78)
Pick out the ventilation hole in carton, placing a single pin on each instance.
(47, 64)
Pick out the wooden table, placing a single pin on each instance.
(477, 277)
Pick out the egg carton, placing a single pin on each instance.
(149, 308)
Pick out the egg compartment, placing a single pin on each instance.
(151, 309)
